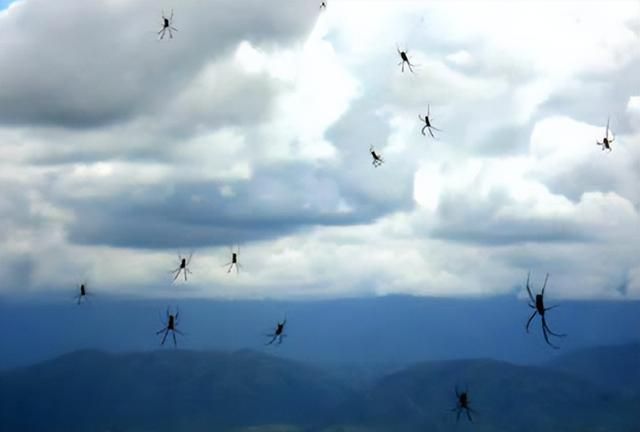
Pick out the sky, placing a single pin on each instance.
(252, 126)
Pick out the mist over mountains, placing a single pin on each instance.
(391, 332)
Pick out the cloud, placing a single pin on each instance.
(253, 126)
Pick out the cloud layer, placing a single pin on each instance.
(252, 126)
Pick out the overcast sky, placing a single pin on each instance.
(252, 126)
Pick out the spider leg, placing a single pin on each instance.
(237, 268)
(410, 67)
(173, 28)
(531, 306)
(160, 331)
(185, 274)
(175, 343)
(420, 117)
(164, 338)
(529, 289)
(546, 337)
(458, 412)
(533, 315)
(430, 132)
(422, 131)
(551, 307)
(170, 33)
(545, 284)
(546, 327)
(178, 331)
(272, 340)
(469, 415)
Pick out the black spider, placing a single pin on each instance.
(170, 326)
(606, 142)
(405, 59)
(183, 263)
(278, 333)
(463, 404)
(538, 305)
(427, 124)
(167, 26)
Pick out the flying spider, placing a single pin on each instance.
(234, 261)
(538, 305)
(405, 59)
(463, 404)
(606, 142)
(427, 124)
(278, 333)
(170, 326)
(167, 26)
(377, 158)
(83, 294)
(323, 5)
(184, 263)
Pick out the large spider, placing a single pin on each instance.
(83, 294)
(167, 26)
(170, 326)
(377, 158)
(234, 261)
(427, 123)
(182, 266)
(606, 142)
(278, 333)
(463, 404)
(537, 303)
(405, 59)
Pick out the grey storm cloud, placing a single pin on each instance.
(86, 64)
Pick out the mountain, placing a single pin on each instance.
(171, 390)
(248, 391)
(614, 367)
(505, 397)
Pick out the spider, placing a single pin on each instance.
(323, 5)
(234, 261)
(170, 326)
(463, 405)
(606, 142)
(83, 293)
(167, 25)
(377, 158)
(427, 124)
(405, 59)
(184, 263)
(278, 333)
(538, 305)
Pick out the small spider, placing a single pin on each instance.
(606, 142)
(323, 5)
(463, 405)
(234, 261)
(83, 294)
(427, 124)
(278, 333)
(170, 326)
(377, 158)
(167, 26)
(182, 266)
(405, 59)
(538, 305)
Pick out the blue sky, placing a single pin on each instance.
(5, 3)
(253, 127)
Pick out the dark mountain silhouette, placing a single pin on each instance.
(614, 367)
(176, 390)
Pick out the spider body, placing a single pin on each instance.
(377, 158)
(278, 334)
(404, 59)
(537, 303)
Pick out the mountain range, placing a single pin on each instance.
(594, 389)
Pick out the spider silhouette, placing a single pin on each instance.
(234, 261)
(377, 158)
(182, 267)
(170, 326)
(537, 303)
(278, 333)
(83, 294)
(323, 5)
(606, 142)
(405, 59)
(167, 26)
(463, 405)
(427, 124)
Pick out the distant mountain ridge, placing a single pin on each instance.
(176, 390)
